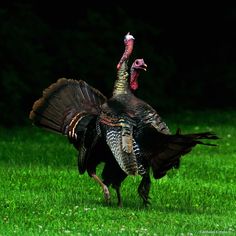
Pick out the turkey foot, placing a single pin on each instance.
(144, 189)
(144, 195)
(106, 194)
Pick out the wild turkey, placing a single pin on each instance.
(123, 126)
(136, 135)
(99, 152)
(72, 108)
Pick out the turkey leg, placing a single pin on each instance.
(104, 187)
(117, 188)
(144, 188)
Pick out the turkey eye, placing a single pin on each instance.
(137, 63)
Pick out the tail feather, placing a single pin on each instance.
(165, 151)
(198, 136)
(177, 146)
(64, 102)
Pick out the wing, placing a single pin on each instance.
(118, 131)
(146, 115)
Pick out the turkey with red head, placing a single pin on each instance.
(136, 134)
(124, 132)
(72, 108)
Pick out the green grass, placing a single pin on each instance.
(42, 193)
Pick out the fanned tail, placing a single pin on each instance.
(66, 105)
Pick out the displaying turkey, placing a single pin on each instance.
(72, 108)
(136, 135)
(124, 132)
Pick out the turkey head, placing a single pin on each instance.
(136, 67)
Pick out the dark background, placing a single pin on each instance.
(190, 51)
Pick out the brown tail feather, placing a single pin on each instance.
(65, 103)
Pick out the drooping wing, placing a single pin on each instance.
(118, 131)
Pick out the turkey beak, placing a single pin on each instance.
(144, 67)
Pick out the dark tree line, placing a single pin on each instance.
(190, 54)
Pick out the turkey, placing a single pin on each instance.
(72, 108)
(127, 133)
(136, 135)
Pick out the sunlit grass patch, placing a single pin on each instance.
(42, 193)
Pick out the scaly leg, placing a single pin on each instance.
(144, 188)
(117, 188)
(104, 187)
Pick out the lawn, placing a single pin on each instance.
(42, 193)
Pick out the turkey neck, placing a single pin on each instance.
(121, 83)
